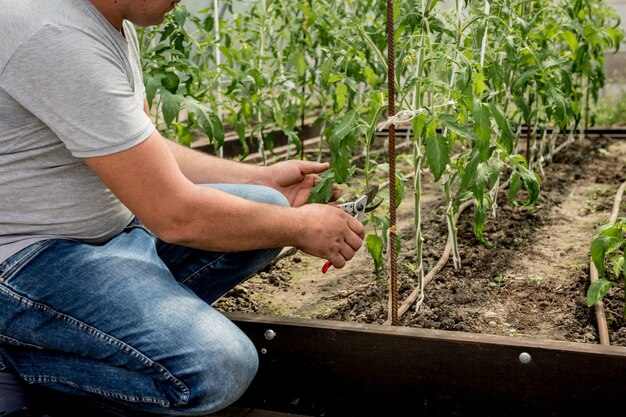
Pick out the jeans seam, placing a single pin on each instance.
(190, 277)
(15, 342)
(44, 379)
(106, 338)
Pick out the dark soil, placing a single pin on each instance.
(532, 283)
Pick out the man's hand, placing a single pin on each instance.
(329, 233)
(295, 179)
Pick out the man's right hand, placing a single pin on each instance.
(329, 233)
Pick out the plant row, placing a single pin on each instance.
(486, 89)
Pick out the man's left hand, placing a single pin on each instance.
(295, 179)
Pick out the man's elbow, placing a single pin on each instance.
(172, 228)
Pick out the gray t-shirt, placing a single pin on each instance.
(70, 87)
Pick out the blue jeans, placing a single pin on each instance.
(130, 320)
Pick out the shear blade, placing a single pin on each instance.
(371, 194)
(374, 206)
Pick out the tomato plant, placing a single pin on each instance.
(607, 250)
(484, 88)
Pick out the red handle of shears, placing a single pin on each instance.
(328, 264)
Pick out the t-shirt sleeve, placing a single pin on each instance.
(81, 88)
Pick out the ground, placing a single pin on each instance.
(532, 283)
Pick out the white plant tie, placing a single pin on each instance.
(404, 117)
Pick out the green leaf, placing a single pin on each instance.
(208, 23)
(343, 126)
(240, 128)
(553, 62)
(608, 230)
(559, 105)
(481, 208)
(600, 246)
(152, 86)
(514, 187)
(210, 123)
(300, 63)
(327, 67)
(374, 245)
(369, 75)
(171, 106)
(597, 290)
(617, 262)
(480, 181)
(295, 139)
(570, 39)
(469, 171)
(506, 133)
(521, 82)
(531, 182)
(400, 188)
(479, 83)
(183, 133)
(437, 154)
(457, 128)
(341, 93)
(521, 104)
(170, 81)
(336, 77)
(323, 190)
(419, 122)
(341, 143)
(496, 171)
(482, 126)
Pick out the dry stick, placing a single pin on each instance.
(415, 295)
(393, 263)
(603, 329)
(601, 319)
(440, 264)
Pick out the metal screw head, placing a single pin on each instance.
(270, 334)
(524, 357)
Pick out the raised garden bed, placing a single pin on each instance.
(532, 283)
(508, 333)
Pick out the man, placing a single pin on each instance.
(114, 241)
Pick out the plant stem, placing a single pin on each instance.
(371, 134)
(218, 62)
(419, 237)
(448, 178)
(483, 47)
(261, 59)
(452, 231)
(587, 100)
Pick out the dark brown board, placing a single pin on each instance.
(327, 368)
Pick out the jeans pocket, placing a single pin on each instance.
(15, 262)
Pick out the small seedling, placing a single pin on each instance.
(498, 281)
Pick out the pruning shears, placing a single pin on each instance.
(357, 208)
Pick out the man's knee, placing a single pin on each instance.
(260, 193)
(220, 376)
(273, 196)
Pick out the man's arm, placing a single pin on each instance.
(148, 180)
(293, 178)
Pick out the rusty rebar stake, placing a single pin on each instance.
(393, 261)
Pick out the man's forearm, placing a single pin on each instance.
(201, 168)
